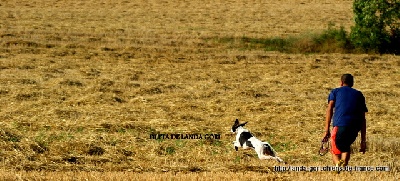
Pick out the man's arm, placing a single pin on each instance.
(328, 118)
(363, 143)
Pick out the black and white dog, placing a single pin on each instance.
(246, 140)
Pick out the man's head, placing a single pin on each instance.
(347, 79)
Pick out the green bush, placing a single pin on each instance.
(332, 40)
(377, 25)
(376, 30)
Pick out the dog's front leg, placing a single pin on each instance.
(236, 145)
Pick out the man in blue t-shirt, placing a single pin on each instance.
(348, 120)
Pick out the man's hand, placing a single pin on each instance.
(326, 136)
(363, 146)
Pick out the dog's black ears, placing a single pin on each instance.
(243, 124)
(237, 123)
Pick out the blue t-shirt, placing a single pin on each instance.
(349, 106)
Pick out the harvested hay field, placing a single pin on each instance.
(84, 84)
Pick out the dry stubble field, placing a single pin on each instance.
(83, 84)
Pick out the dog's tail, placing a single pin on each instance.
(280, 160)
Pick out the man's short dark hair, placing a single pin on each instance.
(348, 79)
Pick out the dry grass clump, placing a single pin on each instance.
(84, 84)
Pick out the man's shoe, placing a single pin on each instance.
(339, 166)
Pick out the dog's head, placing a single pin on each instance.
(236, 125)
